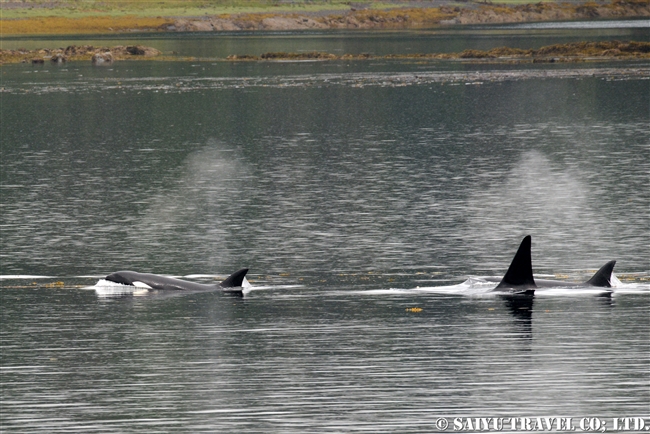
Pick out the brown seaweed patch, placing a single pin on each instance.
(312, 55)
(558, 52)
(587, 49)
(474, 54)
(77, 52)
(570, 52)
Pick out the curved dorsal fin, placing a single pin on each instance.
(603, 276)
(235, 279)
(520, 272)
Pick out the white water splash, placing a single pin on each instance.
(107, 289)
(479, 286)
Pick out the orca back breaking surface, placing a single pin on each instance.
(520, 272)
(153, 281)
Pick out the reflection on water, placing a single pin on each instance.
(343, 194)
(204, 81)
(521, 309)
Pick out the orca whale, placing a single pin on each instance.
(519, 277)
(233, 283)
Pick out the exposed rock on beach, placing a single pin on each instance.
(248, 22)
(537, 12)
(570, 52)
(98, 55)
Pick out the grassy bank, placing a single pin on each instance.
(86, 25)
(188, 8)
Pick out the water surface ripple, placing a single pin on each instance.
(313, 362)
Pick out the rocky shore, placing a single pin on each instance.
(570, 52)
(410, 18)
(98, 55)
(425, 15)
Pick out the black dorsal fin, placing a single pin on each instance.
(520, 272)
(603, 277)
(235, 279)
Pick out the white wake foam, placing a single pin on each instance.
(107, 289)
(478, 286)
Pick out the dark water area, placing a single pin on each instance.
(360, 195)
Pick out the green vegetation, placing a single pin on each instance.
(173, 8)
(93, 16)
(16, 9)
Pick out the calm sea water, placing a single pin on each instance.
(347, 188)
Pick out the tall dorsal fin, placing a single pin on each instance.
(235, 279)
(520, 272)
(603, 277)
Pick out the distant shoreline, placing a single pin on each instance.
(61, 22)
